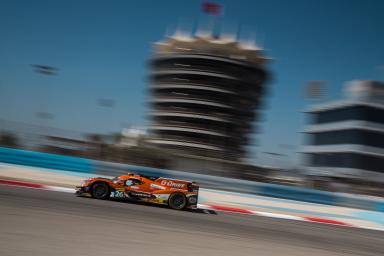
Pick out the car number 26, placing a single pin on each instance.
(117, 194)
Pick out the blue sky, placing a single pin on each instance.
(102, 48)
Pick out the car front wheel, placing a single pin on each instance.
(100, 190)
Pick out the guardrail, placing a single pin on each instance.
(45, 160)
(52, 161)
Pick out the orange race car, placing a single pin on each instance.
(177, 194)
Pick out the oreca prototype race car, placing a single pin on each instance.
(177, 194)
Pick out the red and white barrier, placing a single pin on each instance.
(272, 215)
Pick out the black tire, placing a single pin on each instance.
(100, 190)
(177, 201)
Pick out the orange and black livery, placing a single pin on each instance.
(177, 194)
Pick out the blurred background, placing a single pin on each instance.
(285, 92)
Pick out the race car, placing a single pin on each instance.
(177, 194)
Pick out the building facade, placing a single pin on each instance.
(346, 138)
(205, 95)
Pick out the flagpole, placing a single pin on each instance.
(214, 10)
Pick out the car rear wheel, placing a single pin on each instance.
(100, 190)
(177, 201)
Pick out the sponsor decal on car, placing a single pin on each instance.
(156, 186)
(192, 199)
(163, 196)
(140, 194)
(171, 183)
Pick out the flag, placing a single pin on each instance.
(211, 8)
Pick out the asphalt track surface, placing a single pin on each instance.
(38, 222)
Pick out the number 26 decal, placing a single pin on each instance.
(117, 194)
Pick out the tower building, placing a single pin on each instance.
(205, 95)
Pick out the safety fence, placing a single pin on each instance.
(45, 160)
